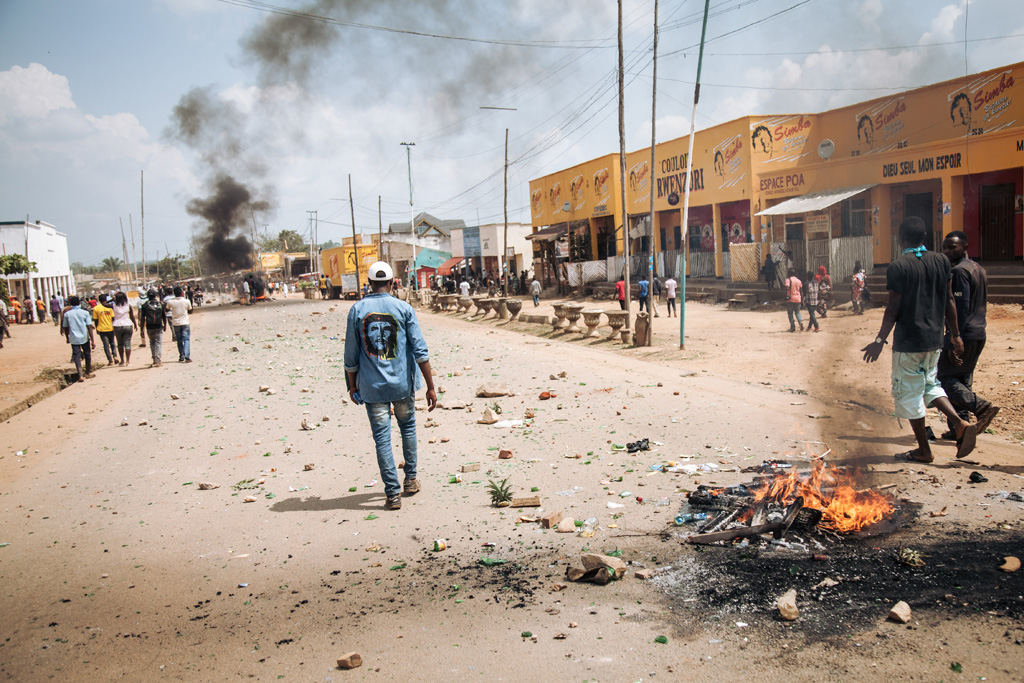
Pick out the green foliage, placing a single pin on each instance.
(16, 263)
(286, 240)
(111, 264)
(500, 492)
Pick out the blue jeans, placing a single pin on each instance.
(380, 425)
(182, 335)
(536, 300)
(793, 310)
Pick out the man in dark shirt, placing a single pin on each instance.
(920, 296)
(956, 373)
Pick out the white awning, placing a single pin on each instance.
(815, 201)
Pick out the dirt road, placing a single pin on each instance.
(118, 566)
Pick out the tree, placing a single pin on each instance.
(11, 264)
(286, 240)
(16, 263)
(111, 264)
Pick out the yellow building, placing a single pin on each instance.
(831, 187)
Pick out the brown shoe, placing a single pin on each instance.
(411, 486)
(393, 502)
(985, 416)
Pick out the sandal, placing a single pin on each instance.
(965, 444)
(908, 456)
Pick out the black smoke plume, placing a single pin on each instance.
(226, 213)
(216, 130)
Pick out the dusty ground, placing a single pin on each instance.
(119, 567)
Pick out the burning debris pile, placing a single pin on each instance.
(783, 498)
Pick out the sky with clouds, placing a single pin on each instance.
(288, 98)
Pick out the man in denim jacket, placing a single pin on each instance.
(383, 348)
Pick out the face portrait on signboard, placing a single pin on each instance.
(380, 335)
(761, 139)
(960, 110)
(866, 130)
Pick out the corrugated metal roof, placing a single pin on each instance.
(815, 201)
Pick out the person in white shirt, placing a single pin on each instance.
(670, 295)
(464, 288)
(178, 307)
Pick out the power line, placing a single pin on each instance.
(286, 11)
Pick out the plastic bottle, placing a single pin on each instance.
(589, 527)
(682, 519)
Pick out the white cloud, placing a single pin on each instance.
(32, 92)
(943, 23)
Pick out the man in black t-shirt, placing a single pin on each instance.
(920, 297)
(956, 373)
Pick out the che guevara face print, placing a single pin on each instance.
(380, 335)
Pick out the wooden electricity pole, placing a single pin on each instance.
(622, 172)
(355, 244)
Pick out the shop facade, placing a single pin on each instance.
(826, 189)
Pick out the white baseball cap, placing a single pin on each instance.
(381, 272)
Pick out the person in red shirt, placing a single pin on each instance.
(620, 292)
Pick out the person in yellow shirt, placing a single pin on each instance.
(103, 317)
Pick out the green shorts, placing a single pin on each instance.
(914, 385)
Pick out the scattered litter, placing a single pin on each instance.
(208, 486)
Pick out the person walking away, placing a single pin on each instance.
(40, 309)
(643, 297)
(464, 288)
(168, 294)
(824, 291)
(383, 348)
(245, 291)
(78, 328)
(670, 297)
(970, 298)
(620, 292)
(179, 307)
(535, 292)
(768, 271)
(124, 325)
(857, 285)
(103, 318)
(3, 321)
(920, 297)
(27, 310)
(793, 300)
(811, 293)
(655, 293)
(55, 307)
(154, 323)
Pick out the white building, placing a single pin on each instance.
(42, 243)
(481, 246)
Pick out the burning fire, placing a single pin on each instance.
(844, 508)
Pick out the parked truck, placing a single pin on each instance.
(339, 266)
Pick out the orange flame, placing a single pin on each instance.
(844, 508)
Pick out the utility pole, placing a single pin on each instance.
(142, 221)
(504, 242)
(124, 250)
(380, 232)
(412, 225)
(686, 194)
(255, 251)
(622, 171)
(355, 245)
(650, 180)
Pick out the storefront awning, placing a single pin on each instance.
(446, 267)
(815, 201)
(549, 234)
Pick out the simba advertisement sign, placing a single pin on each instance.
(782, 139)
(577, 193)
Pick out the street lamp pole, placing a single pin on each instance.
(412, 225)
